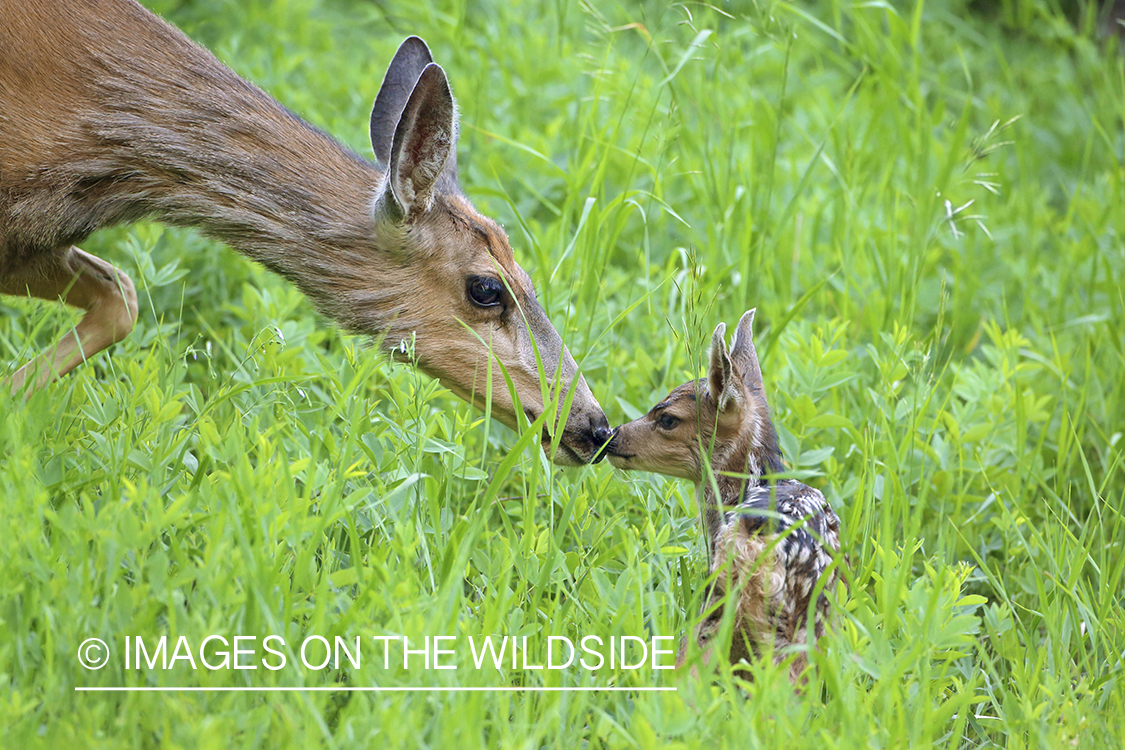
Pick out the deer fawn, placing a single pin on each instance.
(769, 542)
(109, 115)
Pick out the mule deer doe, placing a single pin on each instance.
(108, 114)
(769, 543)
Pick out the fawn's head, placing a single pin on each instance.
(721, 420)
(452, 282)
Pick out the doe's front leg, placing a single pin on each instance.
(81, 280)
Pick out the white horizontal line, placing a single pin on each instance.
(346, 689)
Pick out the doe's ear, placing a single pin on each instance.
(744, 354)
(406, 67)
(424, 139)
(722, 383)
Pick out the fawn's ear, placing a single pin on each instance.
(409, 61)
(722, 383)
(424, 139)
(743, 353)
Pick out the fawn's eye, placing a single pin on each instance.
(667, 422)
(485, 291)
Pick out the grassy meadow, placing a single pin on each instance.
(926, 204)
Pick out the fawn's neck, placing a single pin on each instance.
(753, 454)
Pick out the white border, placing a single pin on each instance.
(346, 689)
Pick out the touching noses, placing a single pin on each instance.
(600, 434)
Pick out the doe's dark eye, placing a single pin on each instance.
(667, 422)
(485, 291)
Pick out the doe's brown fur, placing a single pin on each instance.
(108, 115)
(770, 543)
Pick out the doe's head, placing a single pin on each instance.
(449, 280)
(702, 422)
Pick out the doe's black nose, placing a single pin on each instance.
(602, 435)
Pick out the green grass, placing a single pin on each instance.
(953, 384)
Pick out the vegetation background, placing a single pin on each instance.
(924, 202)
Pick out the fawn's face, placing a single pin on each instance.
(701, 419)
(677, 434)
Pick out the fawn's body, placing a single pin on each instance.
(770, 543)
(108, 115)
